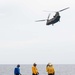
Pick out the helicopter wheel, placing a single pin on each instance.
(52, 24)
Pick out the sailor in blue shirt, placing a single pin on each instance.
(17, 70)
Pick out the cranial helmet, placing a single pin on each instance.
(18, 65)
(34, 64)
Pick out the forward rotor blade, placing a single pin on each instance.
(40, 20)
(63, 9)
(48, 16)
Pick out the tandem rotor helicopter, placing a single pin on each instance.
(55, 19)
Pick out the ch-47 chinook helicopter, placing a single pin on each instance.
(55, 19)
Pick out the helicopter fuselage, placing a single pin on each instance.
(55, 19)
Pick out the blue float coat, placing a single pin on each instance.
(17, 70)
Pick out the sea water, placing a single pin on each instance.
(25, 69)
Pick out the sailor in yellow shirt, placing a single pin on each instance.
(34, 69)
(50, 69)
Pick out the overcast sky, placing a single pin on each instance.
(24, 41)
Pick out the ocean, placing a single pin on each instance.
(60, 69)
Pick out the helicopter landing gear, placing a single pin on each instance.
(52, 24)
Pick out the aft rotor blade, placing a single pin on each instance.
(63, 9)
(40, 20)
(48, 11)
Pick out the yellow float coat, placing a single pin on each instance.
(50, 70)
(34, 70)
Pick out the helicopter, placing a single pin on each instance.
(55, 19)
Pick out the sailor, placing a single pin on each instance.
(17, 70)
(34, 69)
(50, 69)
